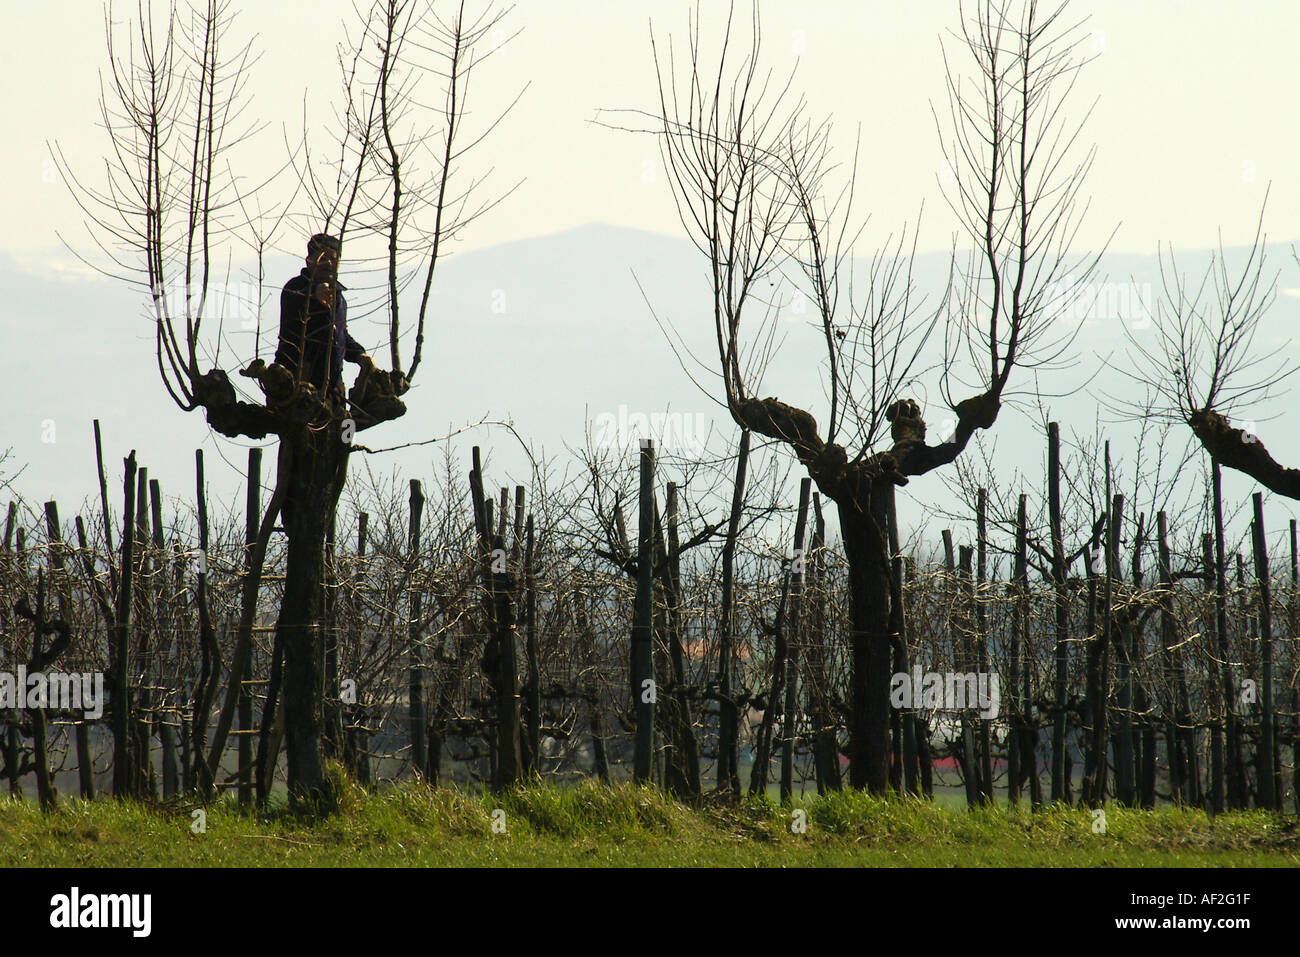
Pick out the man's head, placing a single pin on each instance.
(323, 254)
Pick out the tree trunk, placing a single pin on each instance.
(316, 476)
(863, 521)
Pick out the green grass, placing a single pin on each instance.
(595, 825)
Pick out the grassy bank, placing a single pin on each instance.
(409, 825)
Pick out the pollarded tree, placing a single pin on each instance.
(751, 175)
(171, 209)
(1203, 364)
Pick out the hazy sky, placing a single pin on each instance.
(1195, 111)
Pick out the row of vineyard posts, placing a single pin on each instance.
(493, 654)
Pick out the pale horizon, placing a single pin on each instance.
(1166, 128)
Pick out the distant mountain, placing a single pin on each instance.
(552, 332)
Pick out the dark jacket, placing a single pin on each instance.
(314, 345)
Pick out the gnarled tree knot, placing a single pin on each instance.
(981, 411)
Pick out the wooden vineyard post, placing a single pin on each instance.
(643, 687)
(415, 701)
(1267, 757)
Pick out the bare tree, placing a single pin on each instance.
(750, 175)
(175, 105)
(1201, 366)
(1202, 363)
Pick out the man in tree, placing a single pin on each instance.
(314, 339)
(168, 234)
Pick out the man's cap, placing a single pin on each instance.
(324, 241)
